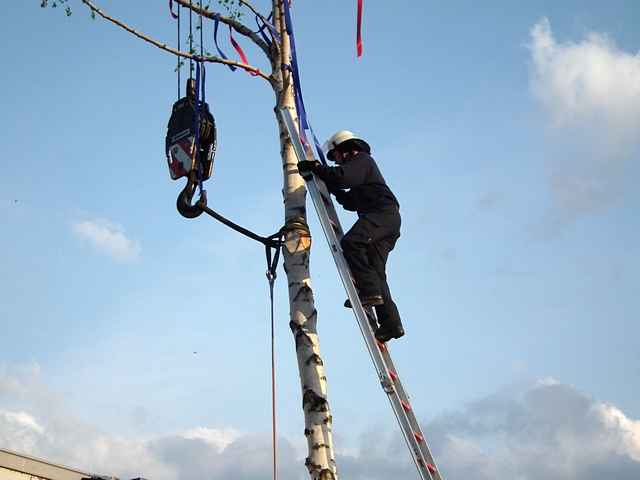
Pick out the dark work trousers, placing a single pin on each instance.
(366, 248)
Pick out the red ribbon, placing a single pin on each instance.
(238, 49)
(359, 32)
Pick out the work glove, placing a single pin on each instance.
(307, 167)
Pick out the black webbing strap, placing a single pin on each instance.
(269, 242)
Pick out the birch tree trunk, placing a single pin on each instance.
(303, 315)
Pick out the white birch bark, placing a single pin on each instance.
(303, 315)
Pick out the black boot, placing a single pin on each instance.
(368, 301)
(387, 332)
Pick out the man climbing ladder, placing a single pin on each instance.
(367, 244)
(365, 315)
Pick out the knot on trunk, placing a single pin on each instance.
(315, 358)
(312, 402)
(304, 294)
(326, 474)
(297, 223)
(302, 338)
(297, 234)
(317, 472)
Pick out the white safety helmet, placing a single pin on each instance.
(343, 136)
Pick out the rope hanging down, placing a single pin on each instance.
(272, 263)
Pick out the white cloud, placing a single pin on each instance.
(589, 81)
(108, 238)
(43, 427)
(21, 420)
(591, 92)
(20, 428)
(546, 430)
(616, 420)
(218, 439)
(549, 430)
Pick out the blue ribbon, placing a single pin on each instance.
(302, 114)
(215, 40)
(201, 75)
(272, 29)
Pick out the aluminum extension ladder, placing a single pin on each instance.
(366, 318)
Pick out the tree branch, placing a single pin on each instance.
(163, 46)
(239, 27)
(254, 10)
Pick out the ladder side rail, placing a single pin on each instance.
(413, 421)
(331, 210)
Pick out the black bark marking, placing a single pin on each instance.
(312, 402)
(293, 326)
(302, 339)
(315, 358)
(327, 474)
(304, 290)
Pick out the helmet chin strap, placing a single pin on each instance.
(350, 154)
(344, 156)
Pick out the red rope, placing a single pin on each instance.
(273, 402)
(359, 31)
(271, 276)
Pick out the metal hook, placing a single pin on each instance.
(185, 199)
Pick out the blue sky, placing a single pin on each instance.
(508, 133)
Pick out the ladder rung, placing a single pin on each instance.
(431, 468)
(393, 375)
(406, 406)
